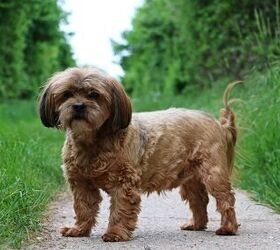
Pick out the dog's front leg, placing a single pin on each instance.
(86, 205)
(124, 210)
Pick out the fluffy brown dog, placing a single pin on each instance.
(109, 148)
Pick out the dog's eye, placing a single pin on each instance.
(93, 95)
(67, 94)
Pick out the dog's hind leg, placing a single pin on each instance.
(195, 193)
(219, 186)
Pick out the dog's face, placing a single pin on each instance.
(78, 99)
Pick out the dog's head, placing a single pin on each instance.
(84, 98)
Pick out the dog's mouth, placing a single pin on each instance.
(79, 116)
(78, 119)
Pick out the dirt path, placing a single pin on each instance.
(158, 227)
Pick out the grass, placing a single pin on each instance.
(30, 154)
(259, 145)
(29, 170)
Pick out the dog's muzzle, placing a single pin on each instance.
(79, 110)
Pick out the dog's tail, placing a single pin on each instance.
(227, 120)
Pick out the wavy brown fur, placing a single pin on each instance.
(108, 148)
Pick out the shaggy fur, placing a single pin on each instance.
(109, 148)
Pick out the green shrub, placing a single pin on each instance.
(178, 43)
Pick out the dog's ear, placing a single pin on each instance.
(121, 107)
(48, 114)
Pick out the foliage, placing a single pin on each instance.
(178, 43)
(29, 177)
(31, 45)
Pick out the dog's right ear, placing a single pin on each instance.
(48, 114)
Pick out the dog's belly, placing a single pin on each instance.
(159, 185)
(158, 182)
(165, 174)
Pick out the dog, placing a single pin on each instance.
(108, 148)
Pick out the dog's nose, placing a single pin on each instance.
(79, 107)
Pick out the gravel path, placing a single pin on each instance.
(158, 227)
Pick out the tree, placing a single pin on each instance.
(178, 43)
(32, 46)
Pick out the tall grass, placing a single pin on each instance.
(29, 170)
(259, 158)
(259, 146)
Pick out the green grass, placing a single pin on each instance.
(29, 170)
(259, 145)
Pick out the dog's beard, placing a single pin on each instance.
(81, 123)
(82, 130)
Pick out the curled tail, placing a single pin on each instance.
(227, 120)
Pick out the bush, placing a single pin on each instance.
(178, 43)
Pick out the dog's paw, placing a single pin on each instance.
(74, 231)
(192, 227)
(225, 230)
(110, 237)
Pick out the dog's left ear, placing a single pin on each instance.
(121, 107)
(48, 114)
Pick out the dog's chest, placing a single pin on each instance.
(100, 170)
